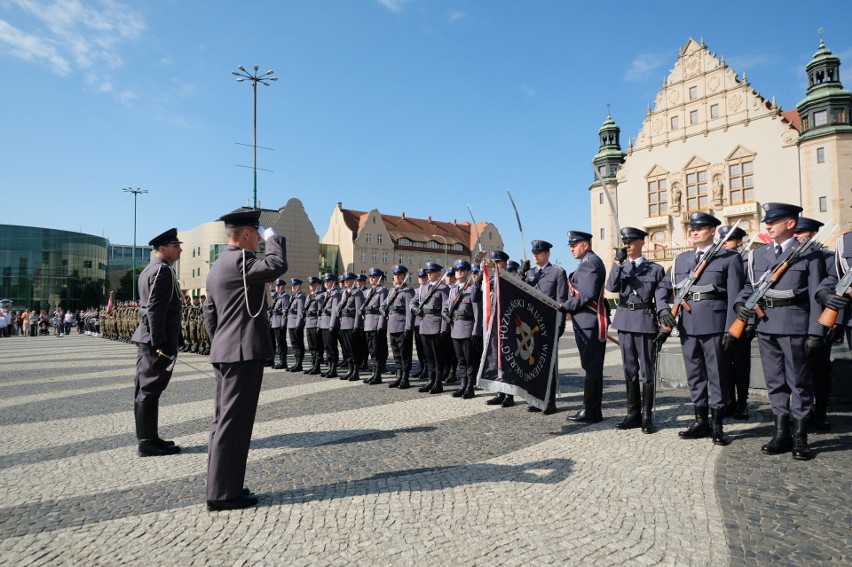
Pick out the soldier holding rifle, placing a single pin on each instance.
(375, 325)
(296, 324)
(396, 311)
(310, 319)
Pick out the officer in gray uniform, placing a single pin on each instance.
(396, 310)
(156, 337)
(280, 305)
(375, 325)
(590, 320)
(295, 324)
(704, 342)
(463, 314)
(349, 311)
(553, 282)
(501, 260)
(311, 318)
(329, 323)
(419, 294)
(739, 366)
(449, 375)
(428, 309)
(240, 343)
(362, 350)
(635, 280)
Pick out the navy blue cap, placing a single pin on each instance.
(330, 277)
(433, 267)
(280, 282)
(499, 255)
(737, 234)
(421, 273)
(295, 281)
(241, 217)
(775, 211)
(314, 280)
(630, 233)
(541, 246)
(349, 276)
(700, 218)
(461, 265)
(168, 237)
(361, 278)
(399, 269)
(375, 272)
(578, 236)
(512, 266)
(804, 224)
(474, 268)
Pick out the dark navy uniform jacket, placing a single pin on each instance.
(836, 271)
(587, 281)
(160, 295)
(635, 285)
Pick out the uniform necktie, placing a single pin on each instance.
(778, 250)
(632, 265)
(698, 256)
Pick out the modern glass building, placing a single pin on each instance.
(40, 267)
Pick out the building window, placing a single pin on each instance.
(379, 238)
(369, 238)
(600, 198)
(87, 263)
(820, 155)
(693, 117)
(714, 111)
(675, 123)
(490, 235)
(401, 259)
(839, 115)
(741, 181)
(385, 257)
(374, 220)
(820, 118)
(823, 205)
(658, 197)
(693, 93)
(696, 190)
(805, 123)
(457, 247)
(363, 255)
(431, 244)
(410, 259)
(193, 252)
(375, 256)
(603, 233)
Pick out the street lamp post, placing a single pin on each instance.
(445, 247)
(136, 192)
(255, 78)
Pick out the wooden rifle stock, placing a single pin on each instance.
(827, 317)
(737, 328)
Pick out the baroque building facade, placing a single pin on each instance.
(713, 143)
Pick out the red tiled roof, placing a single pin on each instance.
(792, 116)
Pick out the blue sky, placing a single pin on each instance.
(421, 106)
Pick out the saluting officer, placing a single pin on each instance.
(329, 323)
(590, 320)
(635, 280)
(704, 342)
(351, 325)
(295, 324)
(463, 311)
(429, 311)
(788, 334)
(312, 313)
(239, 331)
(553, 282)
(375, 325)
(280, 305)
(156, 339)
(419, 294)
(396, 309)
(739, 365)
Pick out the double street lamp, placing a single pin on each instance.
(255, 78)
(136, 192)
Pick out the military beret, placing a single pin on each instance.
(399, 269)
(499, 255)
(313, 280)
(295, 281)
(700, 218)
(804, 224)
(512, 266)
(375, 272)
(578, 236)
(461, 265)
(541, 246)
(241, 217)
(433, 267)
(775, 211)
(737, 234)
(280, 282)
(421, 273)
(168, 237)
(330, 277)
(629, 233)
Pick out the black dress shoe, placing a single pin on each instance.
(508, 401)
(247, 491)
(496, 400)
(585, 417)
(242, 501)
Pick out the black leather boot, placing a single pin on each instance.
(297, 363)
(372, 374)
(508, 401)
(460, 392)
(316, 362)
(354, 373)
(716, 433)
(634, 404)
(741, 409)
(376, 377)
(648, 409)
(419, 372)
(398, 381)
(801, 451)
(437, 386)
(700, 428)
(433, 377)
(150, 444)
(496, 400)
(451, 377)
(781, 442)
(332, 370)
(278, 363)
(404, 385)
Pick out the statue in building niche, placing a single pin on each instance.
(718, 191)
(676, 195)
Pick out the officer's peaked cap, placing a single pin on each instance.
(280, 282)
(630, 233)
(433, 267)
(313, 280)
(578, 236)
(512, 266)
(775, 211)
(737, 234)
(241, 217)
(399, 269)
(461, 265)
(295, 281)
(330, 277)
(499, 255)
(804, 224)
(541, 246)
(700, 218)
(168, 237)
(361, 278)
(349, 276)
(421, 273)
(375, 272)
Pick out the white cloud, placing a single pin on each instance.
(645, 66)
(29, 47)
(456, 16)
(528, 90)
(393, 5)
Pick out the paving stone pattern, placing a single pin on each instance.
(350, 474)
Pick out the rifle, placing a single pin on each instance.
(370, 295)
(769, 279)
(829, 315)
(311, 299)
(457, 300)
(384, 310)
(680, 298)
(344, 301)
(419, 311)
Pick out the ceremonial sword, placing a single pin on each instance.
(175, 358)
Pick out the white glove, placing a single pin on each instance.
(260, 231)
(268, 233)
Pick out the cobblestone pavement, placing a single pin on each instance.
(349, 474)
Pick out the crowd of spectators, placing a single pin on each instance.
(37, 322)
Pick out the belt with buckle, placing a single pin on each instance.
(637, 306)
(706, 295)
(771, 303)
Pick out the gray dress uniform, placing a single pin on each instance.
(240, 343)
(375, 327)
(329, 323)
(296, 329)
(278, 322)
(313, 308)
(463, 309)
(430, 333)
(400, 325)
(349, 311)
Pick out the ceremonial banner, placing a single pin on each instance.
(520, 339)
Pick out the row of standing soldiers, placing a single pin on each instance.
(119, 323)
